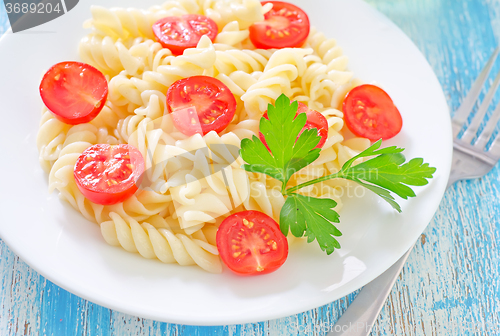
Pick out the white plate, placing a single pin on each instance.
(67, 249)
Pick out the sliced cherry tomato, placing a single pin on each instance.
(178, 33)
(285, 26)
(314, 120)
(200, 104)
(250, 242)
(74, 92)
(370, 113)
(107, 174)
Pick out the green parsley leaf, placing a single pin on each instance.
(313, 217)
(384, 173)
(259, 159)
(288, 154)
(388, 172)
(372, 151)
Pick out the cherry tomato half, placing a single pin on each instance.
(178, 33)
(107, 174)
(200, 104)
(74, 92)
(314, 120)
(250, 242)
(285, 26)
(370, 113)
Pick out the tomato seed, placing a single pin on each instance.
(247, 224)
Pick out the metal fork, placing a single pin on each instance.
(470, 160)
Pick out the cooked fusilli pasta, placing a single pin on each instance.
(191, 183)
(156, 239)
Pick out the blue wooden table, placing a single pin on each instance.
(451, 283)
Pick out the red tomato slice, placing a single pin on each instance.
(370, 113)
(200, 104)
(250, 242)
(314, 120)
(285, 26)
(108, 174)
(178, 33)
(74, 92)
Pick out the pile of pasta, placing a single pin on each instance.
(174, 216)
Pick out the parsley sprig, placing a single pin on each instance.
(384, 172)
(289, 154)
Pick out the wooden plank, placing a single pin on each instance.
(450, 284)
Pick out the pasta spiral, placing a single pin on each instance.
(112, 57)
(127, 90)
(284, 66)
(245, 12)
(331, 55)
(121, 23)
(231, 35)
(245, 60)
(155, 238)
(50, 139)
(202, 174)
(265, 196)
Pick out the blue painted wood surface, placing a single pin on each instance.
(451, 283)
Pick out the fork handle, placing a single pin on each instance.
(359, 318)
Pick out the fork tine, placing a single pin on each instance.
(488, 129)
(467, 105)
(494, 150)
(471, 130)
